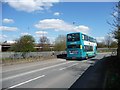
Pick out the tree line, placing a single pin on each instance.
(27, 43)
(107, 42)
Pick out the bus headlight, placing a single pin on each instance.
(80, 46)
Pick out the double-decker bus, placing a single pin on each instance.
(80, 46)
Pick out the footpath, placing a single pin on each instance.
(94, 76)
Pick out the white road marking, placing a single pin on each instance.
(68, 66)
(26, 81)
(84, 70)
(22, 74)
(84, 61)
(27, 66)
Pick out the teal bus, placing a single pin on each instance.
(80, 46)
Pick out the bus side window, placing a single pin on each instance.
(85, 48)
(85, 38)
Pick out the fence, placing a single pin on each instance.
(19, 55)
(29, 54)
(8, 57)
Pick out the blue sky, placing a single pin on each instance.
(53, 19)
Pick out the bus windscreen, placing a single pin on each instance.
(73, 37)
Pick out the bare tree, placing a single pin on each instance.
(113, 44)
(60, 43)
(108, 40)
(115, 25)
(101, 44)
(44, 41)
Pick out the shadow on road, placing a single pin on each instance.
(62, 56)
(93, 77)
(91, 59)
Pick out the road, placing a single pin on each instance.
(56, 73)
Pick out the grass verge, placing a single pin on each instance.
(9, 61)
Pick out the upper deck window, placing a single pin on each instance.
(73, 37)
(87, 38)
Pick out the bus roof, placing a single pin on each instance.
(81, 33)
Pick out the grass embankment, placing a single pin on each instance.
(113, 73)
(11, 61)
(108, 50)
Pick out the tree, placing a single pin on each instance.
(116, 26)
(101, 44)
(108, 40)
(44, 41)
(113, 44)
(24, 44)
(60, 43)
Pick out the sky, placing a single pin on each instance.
(36, 18)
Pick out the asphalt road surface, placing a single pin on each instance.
(56, 73)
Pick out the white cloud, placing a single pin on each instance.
(41, 32)
(52, 39)
(6, 20)
(60, 25)
(104, 38)
(56, 13)
(25, 33)
(31, 5)
(100, 39)
(5, 28)
(3, 36)
(11, 42)
(82, 28)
